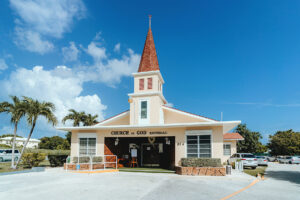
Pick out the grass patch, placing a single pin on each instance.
(254, 172)
(145, 170)
(5, 167)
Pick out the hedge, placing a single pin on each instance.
(57, 160)
(48, 151)
(201, 162)
(86, 159)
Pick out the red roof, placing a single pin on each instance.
(233, 136)
(149, 61)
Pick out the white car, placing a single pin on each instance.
(285, 159)
(248, 159)
(262, 160)
(5, 155)
(295, 160)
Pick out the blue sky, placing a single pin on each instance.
(236, 57)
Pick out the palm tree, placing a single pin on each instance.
(90, 120)
(35, 109)
(17, 110)
(77, 117)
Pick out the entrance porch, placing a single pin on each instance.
(154, 152)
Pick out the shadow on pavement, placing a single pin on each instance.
(291, 176)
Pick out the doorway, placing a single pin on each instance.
(158, 154)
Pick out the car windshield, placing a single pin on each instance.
(248, 156)
(259, 157)
(288, 157)
(1, 151)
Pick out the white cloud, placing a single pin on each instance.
(47, 18)
(32, 41)
(59, 86)
(105, 69)
(98, 53)
(117, 48)
(70, 53)
(269, 104)
(3, 65)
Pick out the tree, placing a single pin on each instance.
(90, 120)
(77, 117)
(9, 135)
(285, 143)
(54, 143)
(34, 110)
(17, 110)
(251, 143)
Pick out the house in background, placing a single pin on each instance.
(20, 141)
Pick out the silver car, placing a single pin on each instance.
(248, 159)
(295, 160)
(5, 155)
(262, 160)
(285, 159)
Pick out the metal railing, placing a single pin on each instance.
(91, 163)
(239, 165)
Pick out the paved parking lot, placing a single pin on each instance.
(57, 184)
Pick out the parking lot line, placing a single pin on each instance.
(241, 190)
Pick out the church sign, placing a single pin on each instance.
(138, 133)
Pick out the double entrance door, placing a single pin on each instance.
(151, 154)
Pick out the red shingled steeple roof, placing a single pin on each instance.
(149, 61)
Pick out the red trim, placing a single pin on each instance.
(232, 136)
(112, 117)
(189, 113)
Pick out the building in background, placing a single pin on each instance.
(20, 141)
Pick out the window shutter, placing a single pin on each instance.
(141, 84)
(150, 83)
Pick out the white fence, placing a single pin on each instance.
(239, 166)
(91, 163)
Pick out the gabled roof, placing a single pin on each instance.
(149, 61)
(233, 136)
(189, 114)
(111, 119)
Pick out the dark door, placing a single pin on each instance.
(150, 155)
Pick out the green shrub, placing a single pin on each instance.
(201, 162)
(97, 159)
(57, 160)
(48, 151)
(84, 159)
(33, 159)
(233, 165)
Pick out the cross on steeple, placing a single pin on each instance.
(150, 16)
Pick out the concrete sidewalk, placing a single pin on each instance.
(57, 184)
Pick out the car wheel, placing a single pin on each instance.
(253, 167)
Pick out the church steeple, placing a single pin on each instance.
(149, 61)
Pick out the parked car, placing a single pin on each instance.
(5, 155)
(295, 160)
(262, 160)
(284, 159)
(248, 159)
(271, 158)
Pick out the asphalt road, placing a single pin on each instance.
(283, 182)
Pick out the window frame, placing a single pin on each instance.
(227, 143)
(87, 135)
(144, 120)
(150, 86)
(141, 80)
(199, 133)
